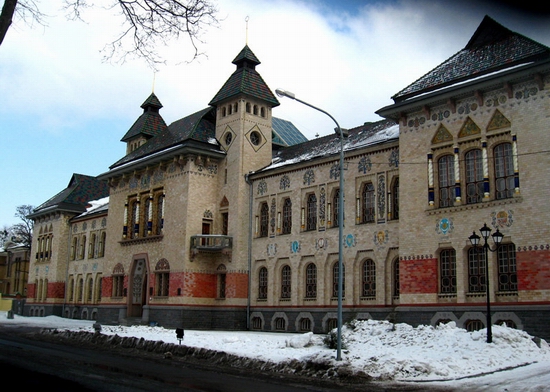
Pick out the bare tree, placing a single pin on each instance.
(146, 24)
(23, 230)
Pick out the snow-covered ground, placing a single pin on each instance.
(445, 356)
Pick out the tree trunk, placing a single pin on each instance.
(6, 17)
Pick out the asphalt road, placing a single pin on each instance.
(32, 362)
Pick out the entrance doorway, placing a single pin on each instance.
(138, 288)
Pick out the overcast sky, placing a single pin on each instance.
(64, 110)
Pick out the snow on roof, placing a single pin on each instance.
(360, 137)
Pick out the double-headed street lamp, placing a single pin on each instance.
(497, 239)
(340, 131)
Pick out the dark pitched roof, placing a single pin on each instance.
(80, 191)
(199, 126)
(150, 123)
(492, 48)
(360, 137)
(245, 80)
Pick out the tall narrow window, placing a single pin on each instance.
(82, 251)
(335, 277)
(89, 290)
(311, 212)
(262, 283)
(447, 271)
(507, 273)
(311, 281)
(91, 247)
(336, 208)
(476, 270)
(504, 171)
(446, 180)
(395, 199)
(98, 289)
(133, 220)
(158, 216)
(368, 279)
(74, 244)
(287, 216)
(264, 219)
(396, 278)
(474, 176)
(286, 282)
(101, 248)
(225, 223)
(367, 203)
(146, 225)
(222, 280)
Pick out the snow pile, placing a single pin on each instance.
(398, 351)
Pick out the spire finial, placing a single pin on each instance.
(246, 20)
(154, 76)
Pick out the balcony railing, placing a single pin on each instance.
(211, 243)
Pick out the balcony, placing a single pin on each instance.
(211, 243)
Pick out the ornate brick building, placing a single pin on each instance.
(227, 218)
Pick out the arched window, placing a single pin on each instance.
(335, 277)
(474, 176)
(286, 282)
(507, 274)
(287, 216)
(473, 325)
(311, 212)
(368, 279)
(311, 281)
(264, 219)
(256, 323)
(446, 175)
(367, 203)
(305, 324)
(280, 324)
(262, 283)
(262, 111)
(118, 281)
(476, 271)
(255, 110)
(447, 271)
(162, 278)
(504, 171)
(248, 107)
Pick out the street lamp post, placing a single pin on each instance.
(340, 131)
(497, 239)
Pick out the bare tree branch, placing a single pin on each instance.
(146, 25)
